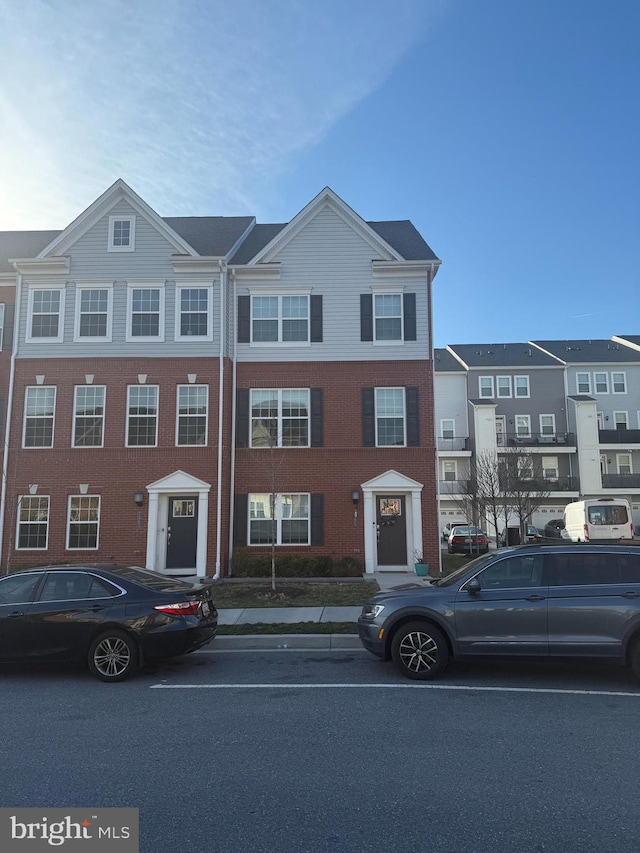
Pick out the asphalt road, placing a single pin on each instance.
(307, 752)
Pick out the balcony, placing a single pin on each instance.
(536, 439)
(542, 484)
(619, 436)
(453, 487)
(621, 481)
(453, 443)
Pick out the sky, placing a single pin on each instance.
(507, 132)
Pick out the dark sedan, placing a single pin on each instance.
(113, 617)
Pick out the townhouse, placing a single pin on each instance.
(167, 382)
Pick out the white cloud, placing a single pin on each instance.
(198, 105)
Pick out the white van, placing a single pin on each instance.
(598, 519)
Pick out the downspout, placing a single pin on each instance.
(232, 471)
(7, 428)
(430, 277)
(223, 323)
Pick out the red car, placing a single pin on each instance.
(467, 540)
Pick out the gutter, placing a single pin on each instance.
(232, 471)
(223, 289)
(7, 429)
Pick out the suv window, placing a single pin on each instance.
(18, 589)
(588, 569)
(520, 570)
(607, 514)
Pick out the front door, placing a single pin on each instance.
(182, 532)
(392, 530)
(500, 430)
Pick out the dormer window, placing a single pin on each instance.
(122, 233)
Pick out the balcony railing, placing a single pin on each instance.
(621, 481)
(536, 439)
(619, 436)
(453, 443)
(454, 487)
(542, 484)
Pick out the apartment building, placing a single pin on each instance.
(163, 378)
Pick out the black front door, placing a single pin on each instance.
(392, 530)
(182, 533)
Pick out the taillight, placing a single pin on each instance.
(632, 531)
(181, 608)
(586, 532)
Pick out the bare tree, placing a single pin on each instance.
(265, 437)
(465, 496)
(495, 501)
(522, 481)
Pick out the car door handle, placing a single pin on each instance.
(630, 594)
(15, 614)
(97, 607)
(535, 598)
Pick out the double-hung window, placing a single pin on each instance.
(288, 521)
(621, 420)
(485, 386)
(280, 319)
(623, 463)
(550, 467)
(145, 315)
(521, 386)
(83, 522)
(93, 313)
(45, 315)
(525, 467)
(547, 425)
(194, 313)
(449, 470)
(193, 406)
(523, 426)
(280, 417)
(122, 234)
(504, 386)
(142, 416)
(601, 383)
(447, 428)
(390, 417)
(583, 383)
(33, 522)
(39, 416)
(88, 416)
(387, 317)
(619, 382)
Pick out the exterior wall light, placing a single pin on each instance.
(138, 498)
(355, 496)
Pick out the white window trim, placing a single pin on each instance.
(388, 292)
(622, 373)
(126, 435)
(20, 498)
(68, 533)
(626, 415)
(132, 234)
(89, 339)
(444, 421)
(555, 467)
(524, 464)
(453, 462)
(29, 339)
(73, 423)
(279, 521)
(279, 445)
(24, 418)
(145, 285)
(628, 456)
(515, 387)
(580, 373)
(500, 396)
(482, 396)
(404, 412)
(600, 419)
(515, 423)
(553, 420)
(194, 285)
(3, 313)
(206, 415)
(279, 294)
(595, 383)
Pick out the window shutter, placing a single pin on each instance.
(7, 333)
(413, 417)
(316, 319)
(240, 520)
(366, 316)
(317, 439)
(244, 319)
(368, 418)
(317, 519)
(409, 316)
(242, 417)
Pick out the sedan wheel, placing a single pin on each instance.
(419, 650)
(113, 656)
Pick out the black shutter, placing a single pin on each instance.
(244, 319)
(317, 519)
(366, 317)
(317, 439)
(7, 333)
(242, 417)
(413, 417)
(409, 316)
(240, 520)
(368, 418)
(316, 319)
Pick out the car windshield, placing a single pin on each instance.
(451, 579)
(148, 579)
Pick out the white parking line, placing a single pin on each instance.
(402, 686)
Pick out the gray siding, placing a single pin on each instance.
(546, 389)
(610, 403)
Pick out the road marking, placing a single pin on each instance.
(558, 690)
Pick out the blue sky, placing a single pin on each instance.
(508, 132)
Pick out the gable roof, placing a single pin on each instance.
(589, 351)
(210, 235)
(492, 356)
(444, 361)
(22, 244)
(405, 239)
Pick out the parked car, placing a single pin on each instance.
(446, 530)
(542, 601)
(511, 535)
(112, 617)
(467, 540)
(553, 529)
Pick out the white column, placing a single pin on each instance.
(370, 533)
(152, 531)
(203, 527)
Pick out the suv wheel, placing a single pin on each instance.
(419, 650)
(113, 656)
(634, 658)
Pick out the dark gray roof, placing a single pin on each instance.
(483, 402)
(502, 355)
(405, 238)
(445, 362)
(581, 398)
(22, 244)
(210, 235)
(589, 351)
(255, 241)
(633, 339)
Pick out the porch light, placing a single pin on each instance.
(355, 496)
(138, 498)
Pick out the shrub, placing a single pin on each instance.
(247, 565)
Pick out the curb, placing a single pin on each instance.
(291, 642)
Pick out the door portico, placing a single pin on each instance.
(394, 499)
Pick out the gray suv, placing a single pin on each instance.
(542, 601)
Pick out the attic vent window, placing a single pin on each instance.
(122, 234)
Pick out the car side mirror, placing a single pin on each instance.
(473, 586)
